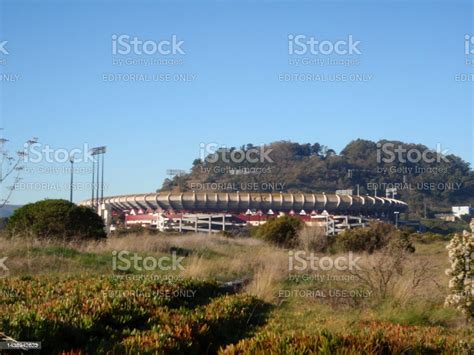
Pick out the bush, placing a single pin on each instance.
(372, 238)
(282, 231)
(368, 338)
(56, 219)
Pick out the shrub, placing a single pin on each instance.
(282, 231)
(56, 219)
(372, 238)
(369, 338)
(389, 271)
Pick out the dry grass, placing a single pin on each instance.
(265, 266)
(159, 243)
(414, 296)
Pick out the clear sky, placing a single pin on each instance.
(405, 84)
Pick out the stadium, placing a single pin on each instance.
(212, 212)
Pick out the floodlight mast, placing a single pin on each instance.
(92, 185)
(102, 187)
(98, 175)
(71, 159)
(97, 185)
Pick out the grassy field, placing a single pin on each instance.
(53, 289)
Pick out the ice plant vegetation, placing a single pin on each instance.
(461, 295)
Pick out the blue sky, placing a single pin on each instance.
(411, 50)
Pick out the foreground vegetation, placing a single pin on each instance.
(53, 294)
(125, 316)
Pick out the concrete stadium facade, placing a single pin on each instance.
(237, 202)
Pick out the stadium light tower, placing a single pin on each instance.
(71, 160)
(96, 164)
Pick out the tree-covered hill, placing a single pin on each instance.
(428, 180)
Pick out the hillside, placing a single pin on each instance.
(429, 181)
